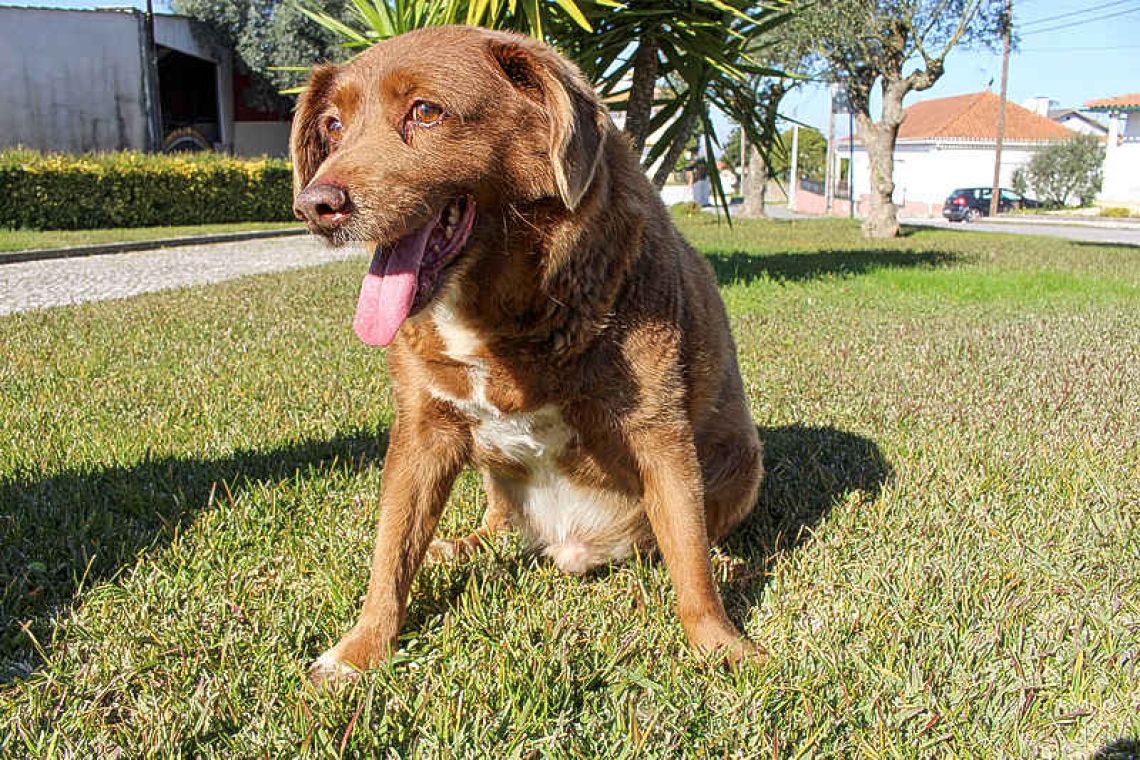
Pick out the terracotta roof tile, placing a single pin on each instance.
(1120, 101)
(974, 117)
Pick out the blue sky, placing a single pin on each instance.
(1091, 51)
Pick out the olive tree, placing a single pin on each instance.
(898, 47)
(1072, 169)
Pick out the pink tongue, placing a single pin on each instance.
(386, 296)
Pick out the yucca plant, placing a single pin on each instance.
(374, 20)
(676, 62)
(379, 20)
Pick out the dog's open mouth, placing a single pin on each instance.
(406, 274)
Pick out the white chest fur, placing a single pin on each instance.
(577, 526)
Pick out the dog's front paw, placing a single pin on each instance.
(328, 672)
(722, 642)
(358, 650)
(445, 550)
(741, 651)
(441, 550)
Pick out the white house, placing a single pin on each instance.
(949, 143)
(1122, 156)
(1069, 118)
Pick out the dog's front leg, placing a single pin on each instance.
(674, 502)
(424, 457)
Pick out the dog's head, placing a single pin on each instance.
(421, 143)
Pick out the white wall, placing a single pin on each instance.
(927, 173)
(1077, 124)
(1122, 166)
(70, 80)
(1132, 126)
(1122, 177)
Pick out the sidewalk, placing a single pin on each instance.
(44, 284)
(1103, 222)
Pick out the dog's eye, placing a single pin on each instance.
(333, 128)
(427, 114)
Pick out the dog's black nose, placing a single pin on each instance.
(324, 206)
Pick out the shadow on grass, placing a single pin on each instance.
(741, 267)
(1121, 749)
(1105, 244)
(807, 471)
(74, 529)
(77, 528)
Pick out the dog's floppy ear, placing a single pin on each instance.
(307, 147)
(575, 115)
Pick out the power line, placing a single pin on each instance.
(1081, 12)
(1077, 49)
(1079, 23)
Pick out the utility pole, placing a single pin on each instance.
(850, 161)
(829, 171)
(794, 171)
(1007, 22)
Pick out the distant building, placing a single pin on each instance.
(1122, 154)
(949, 143)
(79, 80)
(1069, 118)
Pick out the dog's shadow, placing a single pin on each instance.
(1120, 749)
(807, 471)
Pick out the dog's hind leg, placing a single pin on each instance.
(732, 479)
(496, 521)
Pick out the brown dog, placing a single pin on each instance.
(547, 323)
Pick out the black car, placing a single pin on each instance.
(970, 203)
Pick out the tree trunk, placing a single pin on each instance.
(755, 187)
(675, 150)
(881, 220)
(639, 107)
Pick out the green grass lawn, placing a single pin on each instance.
(25, 240)
(945, 561)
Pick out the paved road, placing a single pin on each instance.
(1071, 232)
(58, 282)
(1127, 236)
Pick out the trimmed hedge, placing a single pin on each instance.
(1115, 211)
(47, 191)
